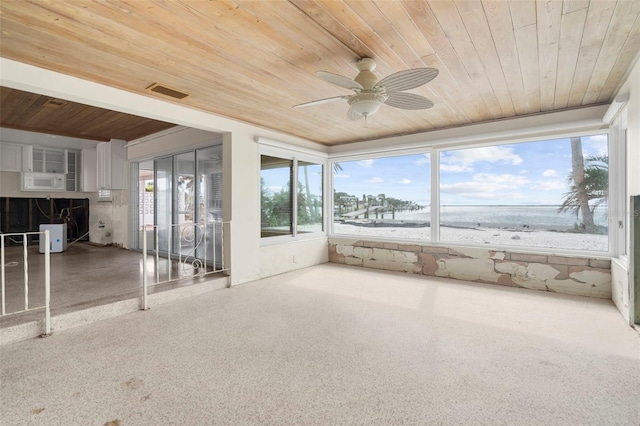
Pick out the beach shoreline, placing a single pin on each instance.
(526, 237)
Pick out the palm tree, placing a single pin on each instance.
(383, 199)
(307, 205)
(589, 185)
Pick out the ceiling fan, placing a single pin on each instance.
(370, 93)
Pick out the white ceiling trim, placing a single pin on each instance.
(501, 131)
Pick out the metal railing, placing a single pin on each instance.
(197, 250)
(25, 261)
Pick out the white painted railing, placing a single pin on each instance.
(197, 250)
(25, 262)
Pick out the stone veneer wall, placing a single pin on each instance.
(561, 274)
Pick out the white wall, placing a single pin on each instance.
(176, 139)
(277, 258)
(632, 86)
(622, 268)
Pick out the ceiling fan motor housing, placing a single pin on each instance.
(366, 77)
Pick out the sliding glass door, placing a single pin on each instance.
(181, 196)
(145, 201)
(163, 195)
(209, 202)
(184, 207)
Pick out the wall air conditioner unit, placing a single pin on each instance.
(43, 182)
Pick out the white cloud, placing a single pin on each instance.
(423, 160)
(496, 196)
(465, 158)
(509, 180)
(473, 188)
(524, 172)
(375, 180)
(366, 163)
(549, 173)
(596, 144)
(455, 168)
(341, 176)
(482, 190)
(489, 186)
(548, 185)
(404, 181)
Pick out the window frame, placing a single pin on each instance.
(296, 154)
(619, 217)
(617, 176)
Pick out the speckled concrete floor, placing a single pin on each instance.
(336, 345)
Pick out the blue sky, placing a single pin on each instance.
(523, 173)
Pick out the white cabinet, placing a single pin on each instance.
(89, 174)
(16, 157)
(10, 157)
(44, 160)
(27, 158)
(72, 171)
(111, 164)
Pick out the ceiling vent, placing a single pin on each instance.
(167, 91)
(54, 103)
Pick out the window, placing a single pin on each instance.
(276, 204)
(309, 197)
(387, 197)
(280, 178)
(547, 194)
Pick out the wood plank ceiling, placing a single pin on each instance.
(253, 60)
(43, 114)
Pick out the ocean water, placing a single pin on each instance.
(534, 217)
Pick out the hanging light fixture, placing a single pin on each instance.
(367, 103)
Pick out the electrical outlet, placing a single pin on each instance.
(442, 264)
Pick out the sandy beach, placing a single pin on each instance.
(484, 236)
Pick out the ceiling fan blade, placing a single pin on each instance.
(408, 79)
(354, 116)
(408, 101)
(321, 101)
(339, 80)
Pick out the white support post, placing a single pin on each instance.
(222, 266)
(26, 272)
(214, 230)
(169, 233)
(179, 250)
(144, 271)
(47, 284)
(156, 246)
(435, 195)
(204, 238)
(4, 310)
